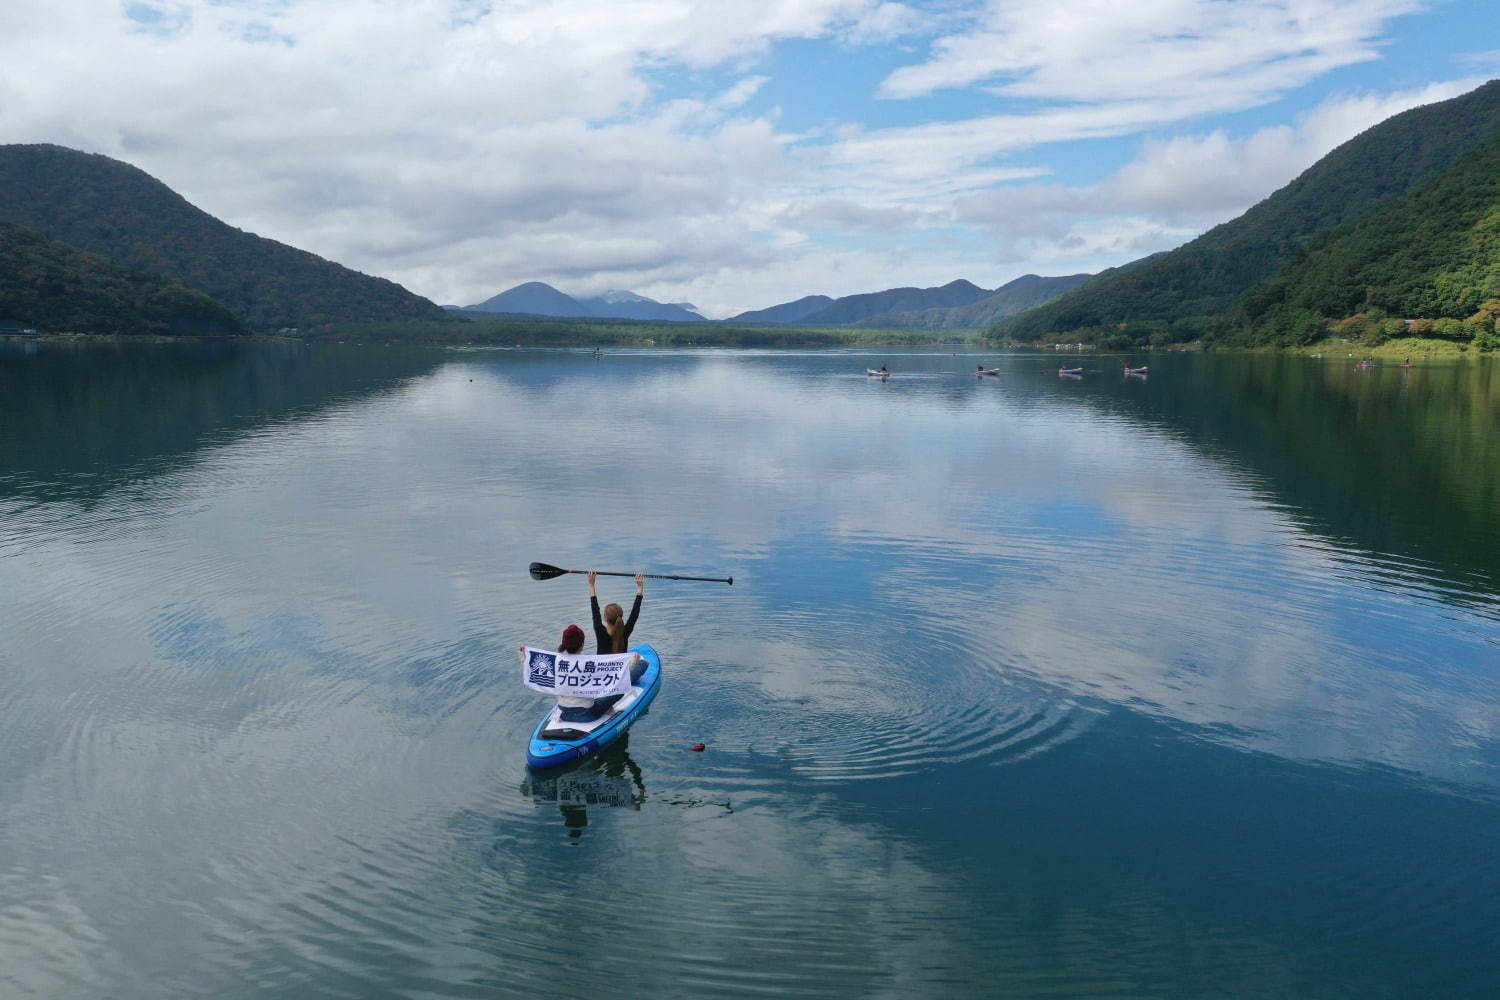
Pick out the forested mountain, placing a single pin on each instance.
(786, 313)
(852, 308)
(1431, 256)
(537, 298)
(1025, 292)
(1177, 294)
(114, 210)
(57, 288)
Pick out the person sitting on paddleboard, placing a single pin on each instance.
(574, 708)
(572, 640)
(612, 634)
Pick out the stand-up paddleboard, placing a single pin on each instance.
(556, 741)
(873, 373)
(1136, 371)
(1070, 371)
(987, 371)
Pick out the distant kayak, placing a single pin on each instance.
(557, 741)
(1070, 371)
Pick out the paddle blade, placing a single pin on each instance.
(541, 571)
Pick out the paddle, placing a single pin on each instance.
(541, 571)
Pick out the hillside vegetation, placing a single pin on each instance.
(1178, 295)
(57, 288)
(1428, 263)
(121, 213)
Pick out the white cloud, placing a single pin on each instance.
(461, 147)
(1178, 187)
(1102, 50)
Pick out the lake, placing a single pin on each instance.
(1026, 685)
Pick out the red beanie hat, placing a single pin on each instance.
(572, 637)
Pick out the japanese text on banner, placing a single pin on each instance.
(576, 675)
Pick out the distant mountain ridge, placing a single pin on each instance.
(537, 298)
(852, 308)
(820, 310)
(786, 313)
(119, 212)
(1025, 292)
(1184, 291)
(959, 304)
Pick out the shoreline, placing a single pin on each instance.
(778, 338)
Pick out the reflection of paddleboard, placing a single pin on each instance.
(558, 742)
(575, 788)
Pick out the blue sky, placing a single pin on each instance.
(733, 155)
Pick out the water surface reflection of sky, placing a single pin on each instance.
(262, 727)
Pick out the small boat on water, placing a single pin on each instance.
(1136, 371)
(1362, 365)
(987, 371)
(558, 740)
(1070, 371)
(877, 373)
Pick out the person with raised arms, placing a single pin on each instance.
(610, 633)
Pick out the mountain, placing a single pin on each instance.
(852, 308)
(1014, 297)
(1180, 291)
(540, 299)
(58, 288)
(121, 213)
(533, 298)
(1431, 257)
(786, 312)
(629, 305)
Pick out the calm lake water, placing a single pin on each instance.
(1026, 686)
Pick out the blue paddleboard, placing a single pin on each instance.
(555, 742)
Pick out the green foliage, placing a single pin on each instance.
(1449, 328)
(121, 213)
(1431, 256)
(1206, 276)
(58, 288)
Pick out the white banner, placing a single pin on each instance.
(575, 675)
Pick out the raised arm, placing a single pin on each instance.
(635, 609)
